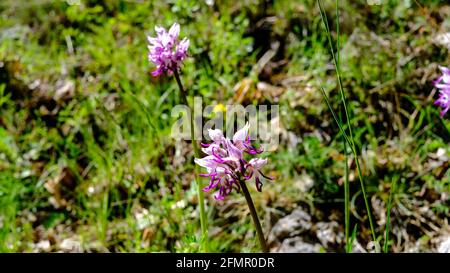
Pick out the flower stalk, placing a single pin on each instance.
(201, 196)
(256, 223)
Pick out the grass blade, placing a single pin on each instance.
(347, 116)
(388, 214)
(346, 195)
(352, 239)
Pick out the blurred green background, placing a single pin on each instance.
(87, 164)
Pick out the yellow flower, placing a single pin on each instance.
(219, 108)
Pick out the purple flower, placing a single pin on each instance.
(443, 84)
(443, 101)
(225, 163)
(165, 51)
(254, 166)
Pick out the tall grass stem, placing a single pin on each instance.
(347, 115)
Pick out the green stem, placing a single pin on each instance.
(254, 215)
(346, 197)
(388, 218)
(347, 116)
(201, 196)
(346, 182)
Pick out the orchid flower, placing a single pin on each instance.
(225, 163)
(443, 84)
(165, 51)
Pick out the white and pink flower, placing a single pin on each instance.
(165, 51)
(225, 163)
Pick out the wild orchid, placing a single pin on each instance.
(168, 54)
(228, 169)
(443, 84)
(225, 162)
(165, 51)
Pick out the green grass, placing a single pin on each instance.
(97, 166)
